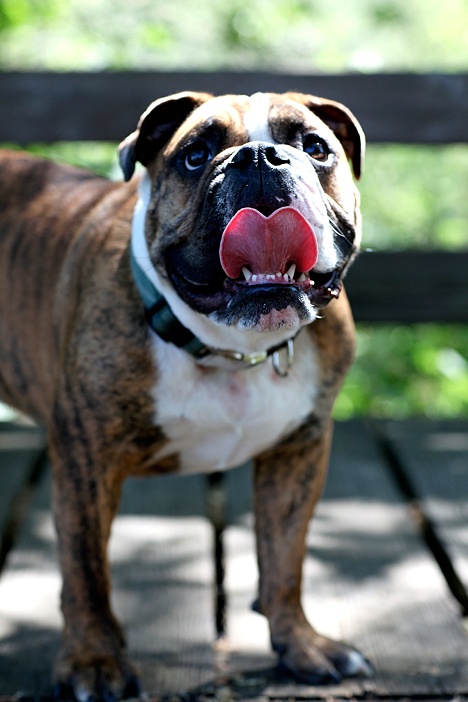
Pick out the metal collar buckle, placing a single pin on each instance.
(281, 366)
(249, 359)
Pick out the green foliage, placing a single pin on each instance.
(304, 35)
(407, 370)
(415, 196)
(99, 157)
(15, 13)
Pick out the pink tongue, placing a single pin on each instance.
(267, 244)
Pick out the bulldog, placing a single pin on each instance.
(187, 319)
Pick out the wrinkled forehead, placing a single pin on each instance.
(258, 117)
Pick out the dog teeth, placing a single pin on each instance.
(287, 277)
(247, 273)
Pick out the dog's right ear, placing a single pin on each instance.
(342, 122)
(156, 126)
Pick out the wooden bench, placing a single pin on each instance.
(387, 560)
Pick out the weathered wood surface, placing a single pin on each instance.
(368, 578)
(435, 458)
(409, 286)
(402, 108)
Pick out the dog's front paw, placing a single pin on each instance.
(94, 678)
(316, 660)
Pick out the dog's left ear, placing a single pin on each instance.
(155, 128)
(342, 122)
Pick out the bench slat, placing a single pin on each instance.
(409, 286)
(400, 108)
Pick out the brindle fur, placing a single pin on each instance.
(76, 356)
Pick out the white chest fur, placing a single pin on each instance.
(217, 419)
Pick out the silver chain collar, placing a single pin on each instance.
(282, 358)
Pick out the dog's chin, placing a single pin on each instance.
(281, 319)
(266, 308)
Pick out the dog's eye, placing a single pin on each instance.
(196, 155)
(316, 148)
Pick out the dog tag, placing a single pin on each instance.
(282, 369)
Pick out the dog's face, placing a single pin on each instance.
(253, 215)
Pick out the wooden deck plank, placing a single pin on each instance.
(435, 455)
(163, 576)
(368, 579)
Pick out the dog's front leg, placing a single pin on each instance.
(92, 663)
(288, 483)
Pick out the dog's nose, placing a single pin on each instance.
(259, 153)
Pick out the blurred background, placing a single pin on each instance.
(411, 196)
